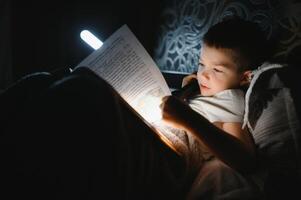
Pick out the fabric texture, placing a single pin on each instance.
(272, 118)
(225, 106)
(217, 181)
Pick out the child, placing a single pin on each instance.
(231, 50)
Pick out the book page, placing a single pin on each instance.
(124, 63)
(177, 139)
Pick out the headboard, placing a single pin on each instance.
(185, 22)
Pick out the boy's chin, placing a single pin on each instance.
(206, 93)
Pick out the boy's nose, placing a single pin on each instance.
(205, 74)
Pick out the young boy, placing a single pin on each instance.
(231, 50)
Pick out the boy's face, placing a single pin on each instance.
(218, 71)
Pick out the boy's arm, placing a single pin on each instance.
(234, 149)
(243, 135)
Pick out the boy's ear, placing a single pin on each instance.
(246, 78)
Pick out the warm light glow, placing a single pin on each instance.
(150, 108)
(90, 39)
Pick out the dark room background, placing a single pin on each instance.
(44, 35)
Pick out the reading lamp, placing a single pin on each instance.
(90, 39)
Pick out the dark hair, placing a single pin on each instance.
(248, 43)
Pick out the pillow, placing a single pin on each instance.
(271, 117)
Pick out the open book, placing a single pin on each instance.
(125, 64)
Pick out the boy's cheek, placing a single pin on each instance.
(198, 77)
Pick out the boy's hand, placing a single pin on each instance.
(188, 79)
(174, 111)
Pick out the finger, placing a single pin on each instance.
(163, 101)
(162, 105)
(188, 79)
(165, 98)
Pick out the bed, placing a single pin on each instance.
(57, 141)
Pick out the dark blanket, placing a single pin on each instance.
(73, 137)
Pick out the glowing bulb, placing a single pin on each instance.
(90, 39)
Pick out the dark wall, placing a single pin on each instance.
(46, 33)
(5, 44)
(184, 22)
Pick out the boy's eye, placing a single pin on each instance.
(217, 70)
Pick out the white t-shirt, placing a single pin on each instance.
(225, 106)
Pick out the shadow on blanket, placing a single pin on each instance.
(73, 138)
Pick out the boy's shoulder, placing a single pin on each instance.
(225, 95)
(230, 94)
(227, 106)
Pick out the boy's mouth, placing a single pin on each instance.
(204, 86)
